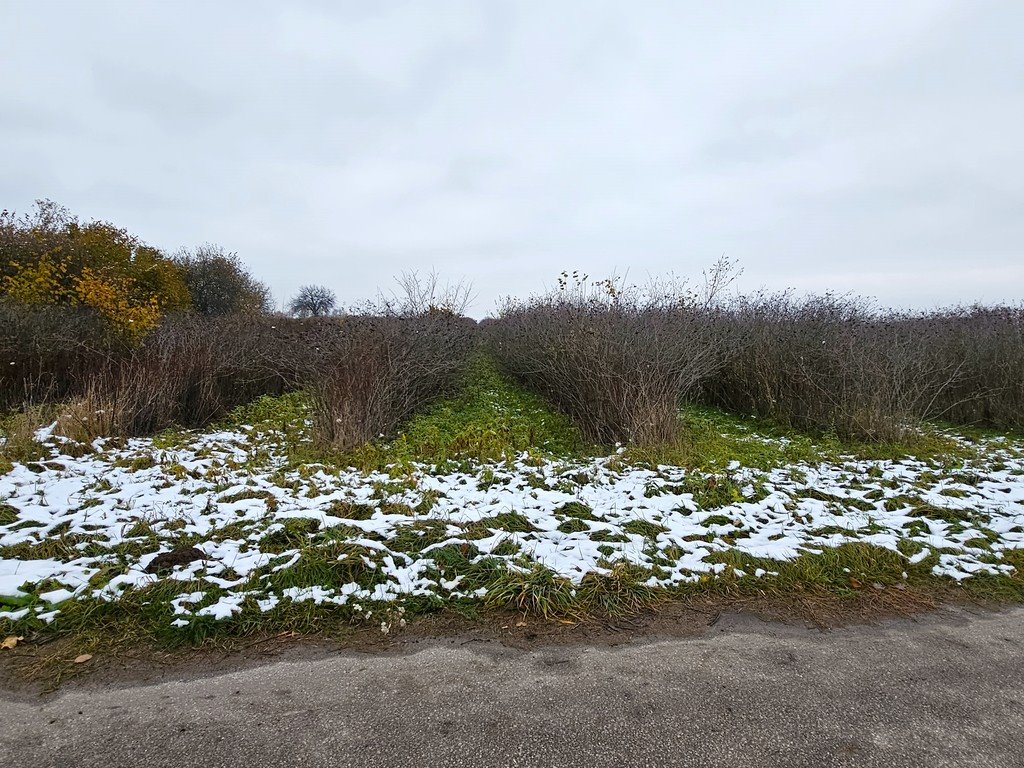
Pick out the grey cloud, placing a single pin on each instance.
(859, 146)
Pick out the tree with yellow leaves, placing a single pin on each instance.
(50, 258)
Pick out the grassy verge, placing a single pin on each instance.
(845, 574)
(17, 437)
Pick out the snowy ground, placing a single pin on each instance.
(265, 535)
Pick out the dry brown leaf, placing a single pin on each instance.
(83, 658)
(10, 641)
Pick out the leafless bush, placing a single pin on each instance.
(423, 295)
(188, 372)
(372, 369)
(620, 361)
(48, 353)
(835, 364)
(370, 372)
(617, 359)
(365, 373)
(987, 346)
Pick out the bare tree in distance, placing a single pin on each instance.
(313, 301)
(425, 294)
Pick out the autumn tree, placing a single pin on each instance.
(219, 283)
(49, 257)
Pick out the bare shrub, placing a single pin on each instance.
(371, 372)
(616, 359)
(620, 361)
(365, 373)
(832, 363)
(424, 294)
(372, 369)
(188, 372)
(987, 345)
(48, 352)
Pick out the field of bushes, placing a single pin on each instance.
(180, 460)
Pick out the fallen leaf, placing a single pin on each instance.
(10, 641)
(83, 658)
(855, 583)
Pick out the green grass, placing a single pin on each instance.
(977, 433)
(492, 419)
(19, 443)
(8, 514)
(143, 615)
(852, 567)
(292, 533)
(283, 417)
(713, 438)
(644, 528)
(622, 592)
(537, 591)
(513, 522)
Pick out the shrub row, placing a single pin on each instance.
(365, 373)
(188, 372)
(825, 363)
(621, 362)
(617, 362)
(986, 344)
(47, 352)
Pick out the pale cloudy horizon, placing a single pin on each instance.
(859, 147)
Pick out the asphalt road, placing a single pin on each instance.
(946, 689)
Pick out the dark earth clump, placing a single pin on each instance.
(165, 561)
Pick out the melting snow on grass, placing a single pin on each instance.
(227, 525)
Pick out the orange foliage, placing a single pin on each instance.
(40, 282)
(52, 258)
(109, 297)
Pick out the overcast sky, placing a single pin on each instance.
(873, 147)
